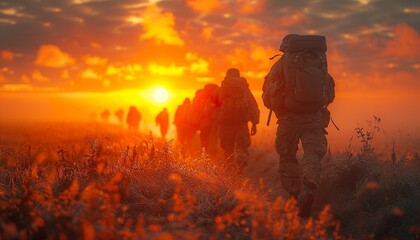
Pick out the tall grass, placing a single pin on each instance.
(101, 186)
(100, 183)
(373, 195)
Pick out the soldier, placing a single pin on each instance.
(237, 107)
(133, 119)
(182, 121)
(298, 89)
(204, 117)
(105, 115)
(162, 119)
(120, 115)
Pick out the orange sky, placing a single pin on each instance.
(60, 58)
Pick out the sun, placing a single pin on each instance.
(160, 95)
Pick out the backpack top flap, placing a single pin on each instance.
(233, 87)
(234, 100)
(307, 42)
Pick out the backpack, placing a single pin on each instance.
(204, 106)
(273, 93)
(234, 99)
(307, 86)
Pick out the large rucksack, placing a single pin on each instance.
(307, 86)
(235, 102)
(204, 106)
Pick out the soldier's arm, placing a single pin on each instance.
(275, 74)
(255, 111)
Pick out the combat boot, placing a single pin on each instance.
(294, 195)
(306, 199)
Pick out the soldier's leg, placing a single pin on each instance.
(287, 140)
(204, 137)
(212, 140)
(243, 142)
(227, 141)
(314, 144)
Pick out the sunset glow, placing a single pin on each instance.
(160, 95)
(183, 119)
(107, 48)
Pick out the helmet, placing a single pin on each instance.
(232, 72)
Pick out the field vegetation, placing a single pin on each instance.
(90, 181)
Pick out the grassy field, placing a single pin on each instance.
(92, 181)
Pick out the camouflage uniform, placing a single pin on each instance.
(235, 141)
(234, 134)
(209, 127)
(292, 128)
(308, 129)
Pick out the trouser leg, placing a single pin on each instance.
(227, 141)
(204, 137)
(314, 144)
(242, 143)
(213, 137)
(287, 140)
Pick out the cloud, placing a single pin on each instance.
(6, 55)
(127, 72)
(159, 26)
(7, 21)
(2, 78)
(207, 6)
(198, 65)
(16, 87)
(52, 56)
(7, 70)
(90, 74)
(405, 43)
(254, 57)
(191, 56)
(337, 61)
(25, 79)
(171, 70)
(95, 45)
(14, 13)
(95, 60)
(251, 27)
(293, 19)
(261, 54)
(207, 32)
(38, 76)
(251, 7)
(134, 20)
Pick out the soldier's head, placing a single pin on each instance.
(187, 101)
(232, 72)
(285, 42)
